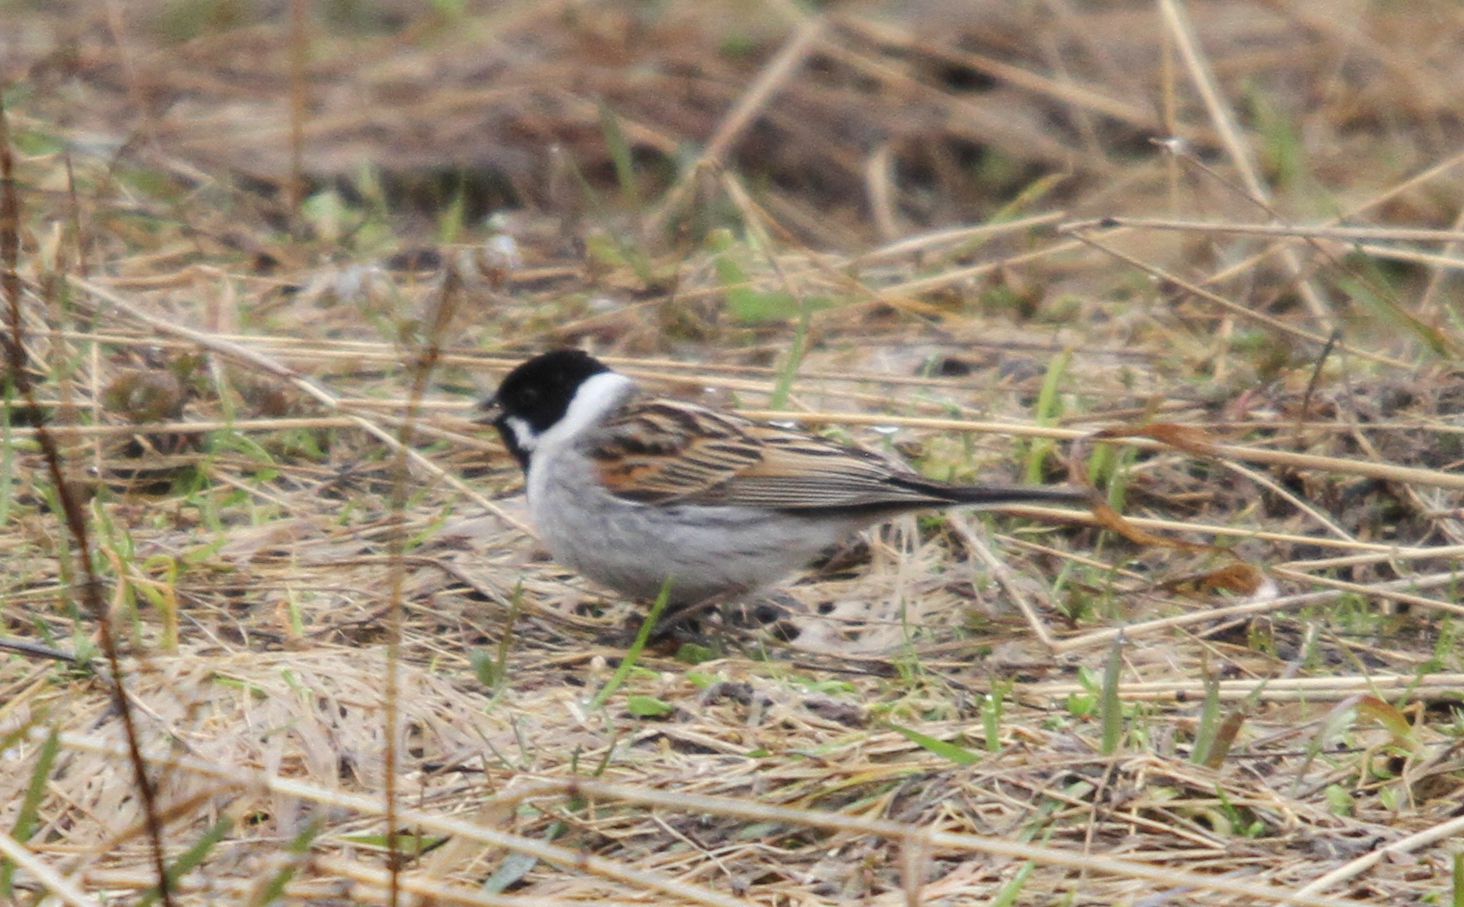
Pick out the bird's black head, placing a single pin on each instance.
(535, 395)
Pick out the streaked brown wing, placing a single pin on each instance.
(662, 450)
(659, 451)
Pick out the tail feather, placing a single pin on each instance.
(997, 495)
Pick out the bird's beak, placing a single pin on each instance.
(488, 412)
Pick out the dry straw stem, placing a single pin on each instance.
(1442, 832)
(890, 33)
(1202, 74)
(773, 76)
(916, 286)
(926, 243)
(44, 876)
(421, 373)
(73, 519)
(1380, 551)
(425, 821)
(1427, 175)
(258, 360)
(1429, 304)
(1236, 308)
(1421, 687)
(920, 839)
(967, 114)
(1427, 259)
(375, 881)
(1373, 591)
(1294, 500)
(1400, 64)
(1387, 554)
(312, 350)
(1104, 637)
(160, 428)
(1003, 575)
(280, 424)
(659, 370)
(371, 888)
(1320, 231)
(1350, 235)
(1378, 554)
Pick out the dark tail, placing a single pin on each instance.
(997, 495)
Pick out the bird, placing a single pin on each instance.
(652, 496)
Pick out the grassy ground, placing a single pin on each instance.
(1204, 256)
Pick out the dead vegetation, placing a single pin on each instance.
(1203, 255)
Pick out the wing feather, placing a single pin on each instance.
(662, 451)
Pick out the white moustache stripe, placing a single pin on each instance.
(523, 435)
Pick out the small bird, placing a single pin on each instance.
(637, 492)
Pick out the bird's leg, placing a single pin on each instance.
(768, 611)
(686, 616)
(680, 621)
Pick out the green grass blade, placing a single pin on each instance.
(1049, 408)
(1209, 722)
(1458, 899)
(299, 846)
(620, 156)
(191, 858)
(1013, 889)
(633, 653)
(25, 821)
(949, 751)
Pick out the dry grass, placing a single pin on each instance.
(257, 294)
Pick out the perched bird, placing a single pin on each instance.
(634, 491)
